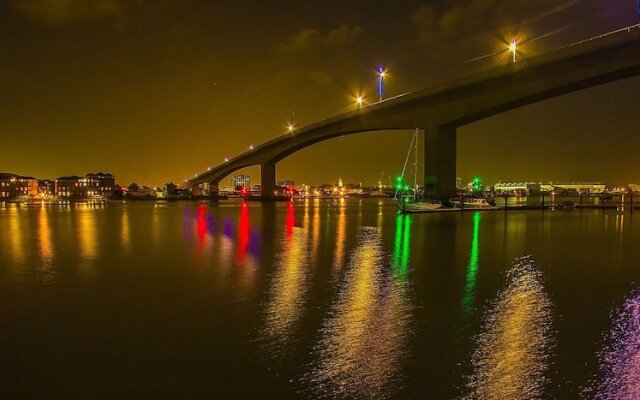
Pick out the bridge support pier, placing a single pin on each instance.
(268, 179)
(214, 190)
(440, 162)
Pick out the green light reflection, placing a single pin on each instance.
(402, 245)
(472, 267)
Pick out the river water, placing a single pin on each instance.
(317, 299)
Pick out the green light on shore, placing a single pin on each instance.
(476, 184)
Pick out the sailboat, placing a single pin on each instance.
(410, 202)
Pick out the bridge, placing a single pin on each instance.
(441, 109)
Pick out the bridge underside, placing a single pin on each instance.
(439, 167)
(441, 109)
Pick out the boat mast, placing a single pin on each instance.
(404, 167)
(415, 165)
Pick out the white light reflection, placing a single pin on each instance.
(513, 349)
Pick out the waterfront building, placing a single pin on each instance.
(46, 188)
(517, 187)
(574, 187)
(141, 193)
(91, 186)
(14, 186)
(76, 187)
(286, 184)
(240, 181)
(106, 184)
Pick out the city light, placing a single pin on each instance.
(359, 100)
(250, 147)
(381, 75)
(291, 126)
(476, 184)
(226, 159)
(513, 48)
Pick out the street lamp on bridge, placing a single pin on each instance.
(513, 48)
(381, 75)
(359, 100)
(291, 126)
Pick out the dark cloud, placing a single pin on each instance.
(477, 17)
(300, 41)
(345, 34)
(309, 37)
(60, 12)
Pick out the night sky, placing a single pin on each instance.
(154, 91)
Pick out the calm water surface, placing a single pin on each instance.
(317, 299)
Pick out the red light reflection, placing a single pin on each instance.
(291, 219)
(244, 233)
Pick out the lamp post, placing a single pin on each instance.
(513, 48)
(381, 75)
(291, 127)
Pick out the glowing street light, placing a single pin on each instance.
(513, 48)
(381, 75)
(359, 100)
(291, 126)
(250, 147)
(226, 159)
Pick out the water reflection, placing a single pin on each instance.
(244, 233)
(340, 235)
(315, 235)
(363, 341)
(125, 229)
(86, 228)
(513, 350)
(620, 359)
(472, 267)
(15, 234)
(402, 246)
(288, 288)
(45, 242)
(291, 218)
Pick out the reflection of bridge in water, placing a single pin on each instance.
(440, 110)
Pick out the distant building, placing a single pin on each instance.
(143, 192)
(240, 181)
(517, 187)
(14, 186)
(286, 183)
(350, 188)
(634, 187)
(76, 187)
(46, 188)
(564, 188)
(106, 184)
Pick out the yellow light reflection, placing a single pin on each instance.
(16, 234)
(125, 229)
(513, 349)
(86, 228)
(364, 339)
(315, 234)
(45, 242)
(287, 295)
(340, 236)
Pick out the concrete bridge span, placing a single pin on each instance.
(441, 109)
